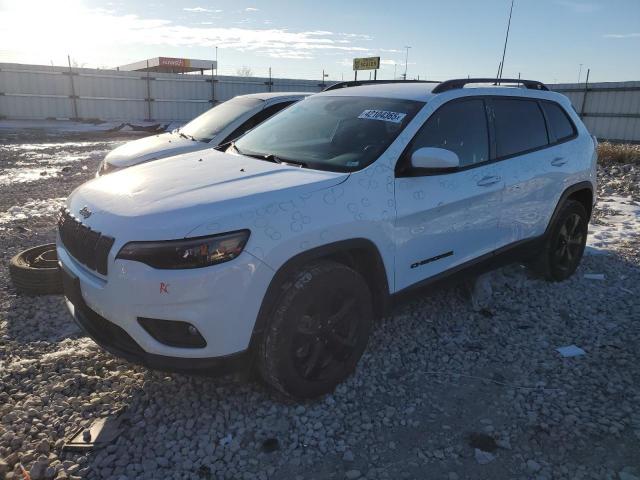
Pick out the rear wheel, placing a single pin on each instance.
(318, 331)
(564, 247)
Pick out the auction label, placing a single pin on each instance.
(394, 117)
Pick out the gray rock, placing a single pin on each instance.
(483, 457)
(533, 466)
(348, 456)
(38, 469)
(353, 474)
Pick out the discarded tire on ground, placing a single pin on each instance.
(35, 271)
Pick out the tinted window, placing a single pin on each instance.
(460, 127)
(204, 127)
(519, 126)
(559, 122)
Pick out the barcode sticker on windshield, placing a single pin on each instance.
(394, 117)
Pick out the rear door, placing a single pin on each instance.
(448, 218)
(532, 166)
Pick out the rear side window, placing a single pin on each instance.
(519, 126)
(559, 123)
(460, 127)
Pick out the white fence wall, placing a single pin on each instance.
(40, 92)
(610, 110)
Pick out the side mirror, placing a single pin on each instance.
(434, 158)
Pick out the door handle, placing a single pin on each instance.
(486, 181)
(558, 161)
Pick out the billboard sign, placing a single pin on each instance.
(366, 63)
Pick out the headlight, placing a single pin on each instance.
(188, 253)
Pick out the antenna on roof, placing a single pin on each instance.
(506, 39)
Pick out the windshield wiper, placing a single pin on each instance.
(268, 157)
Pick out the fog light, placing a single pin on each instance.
(173, 332)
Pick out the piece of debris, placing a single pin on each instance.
(270, 445)
(483, 457)
(570, 351)
(594, 276)
(226, 440)
(480, 292)
(482, 441)
(99, 434)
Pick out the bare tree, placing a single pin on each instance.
(244, 71)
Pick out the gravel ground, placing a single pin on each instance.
(444, 390)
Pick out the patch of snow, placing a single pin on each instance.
(27, 175)
(77, 348)
(32, 209)
(616, 229)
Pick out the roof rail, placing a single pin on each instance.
(357, 83)
(461, 82)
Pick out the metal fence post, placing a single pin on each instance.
(73, 96)
(213, 87)
(270, 82)
(584, 97)
(148, 119)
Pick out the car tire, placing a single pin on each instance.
(35, 271)
(564, 246)
(318, 331)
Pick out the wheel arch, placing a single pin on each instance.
(360, 254)
(581, 192)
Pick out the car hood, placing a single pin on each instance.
(152, 148)
(171, 197)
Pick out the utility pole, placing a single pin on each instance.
(579, 73)
(406, 62)
(506, 39)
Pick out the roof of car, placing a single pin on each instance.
(423, 92)
(270, 95)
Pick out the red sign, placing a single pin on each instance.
(174, 62)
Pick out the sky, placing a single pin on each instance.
(548, 41)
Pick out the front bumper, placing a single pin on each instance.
(119, 343)
(221, 301)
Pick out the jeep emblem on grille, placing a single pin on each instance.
(85, 212)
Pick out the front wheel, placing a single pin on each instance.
(318, 331)
(564, 247)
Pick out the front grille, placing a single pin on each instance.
(87, 246)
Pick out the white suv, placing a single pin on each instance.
(282, 250)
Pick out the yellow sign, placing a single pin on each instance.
(367, 63)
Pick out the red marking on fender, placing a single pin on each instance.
(164, 287)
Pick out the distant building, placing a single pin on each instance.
(170, 65)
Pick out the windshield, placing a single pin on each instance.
(336, 133)
(204, 127)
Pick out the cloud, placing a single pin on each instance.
(579, 7)
(622, 35)
(200, 10)
(109, 32)
(251, 9)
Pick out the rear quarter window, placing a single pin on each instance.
(560, 125)
(519, 126)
